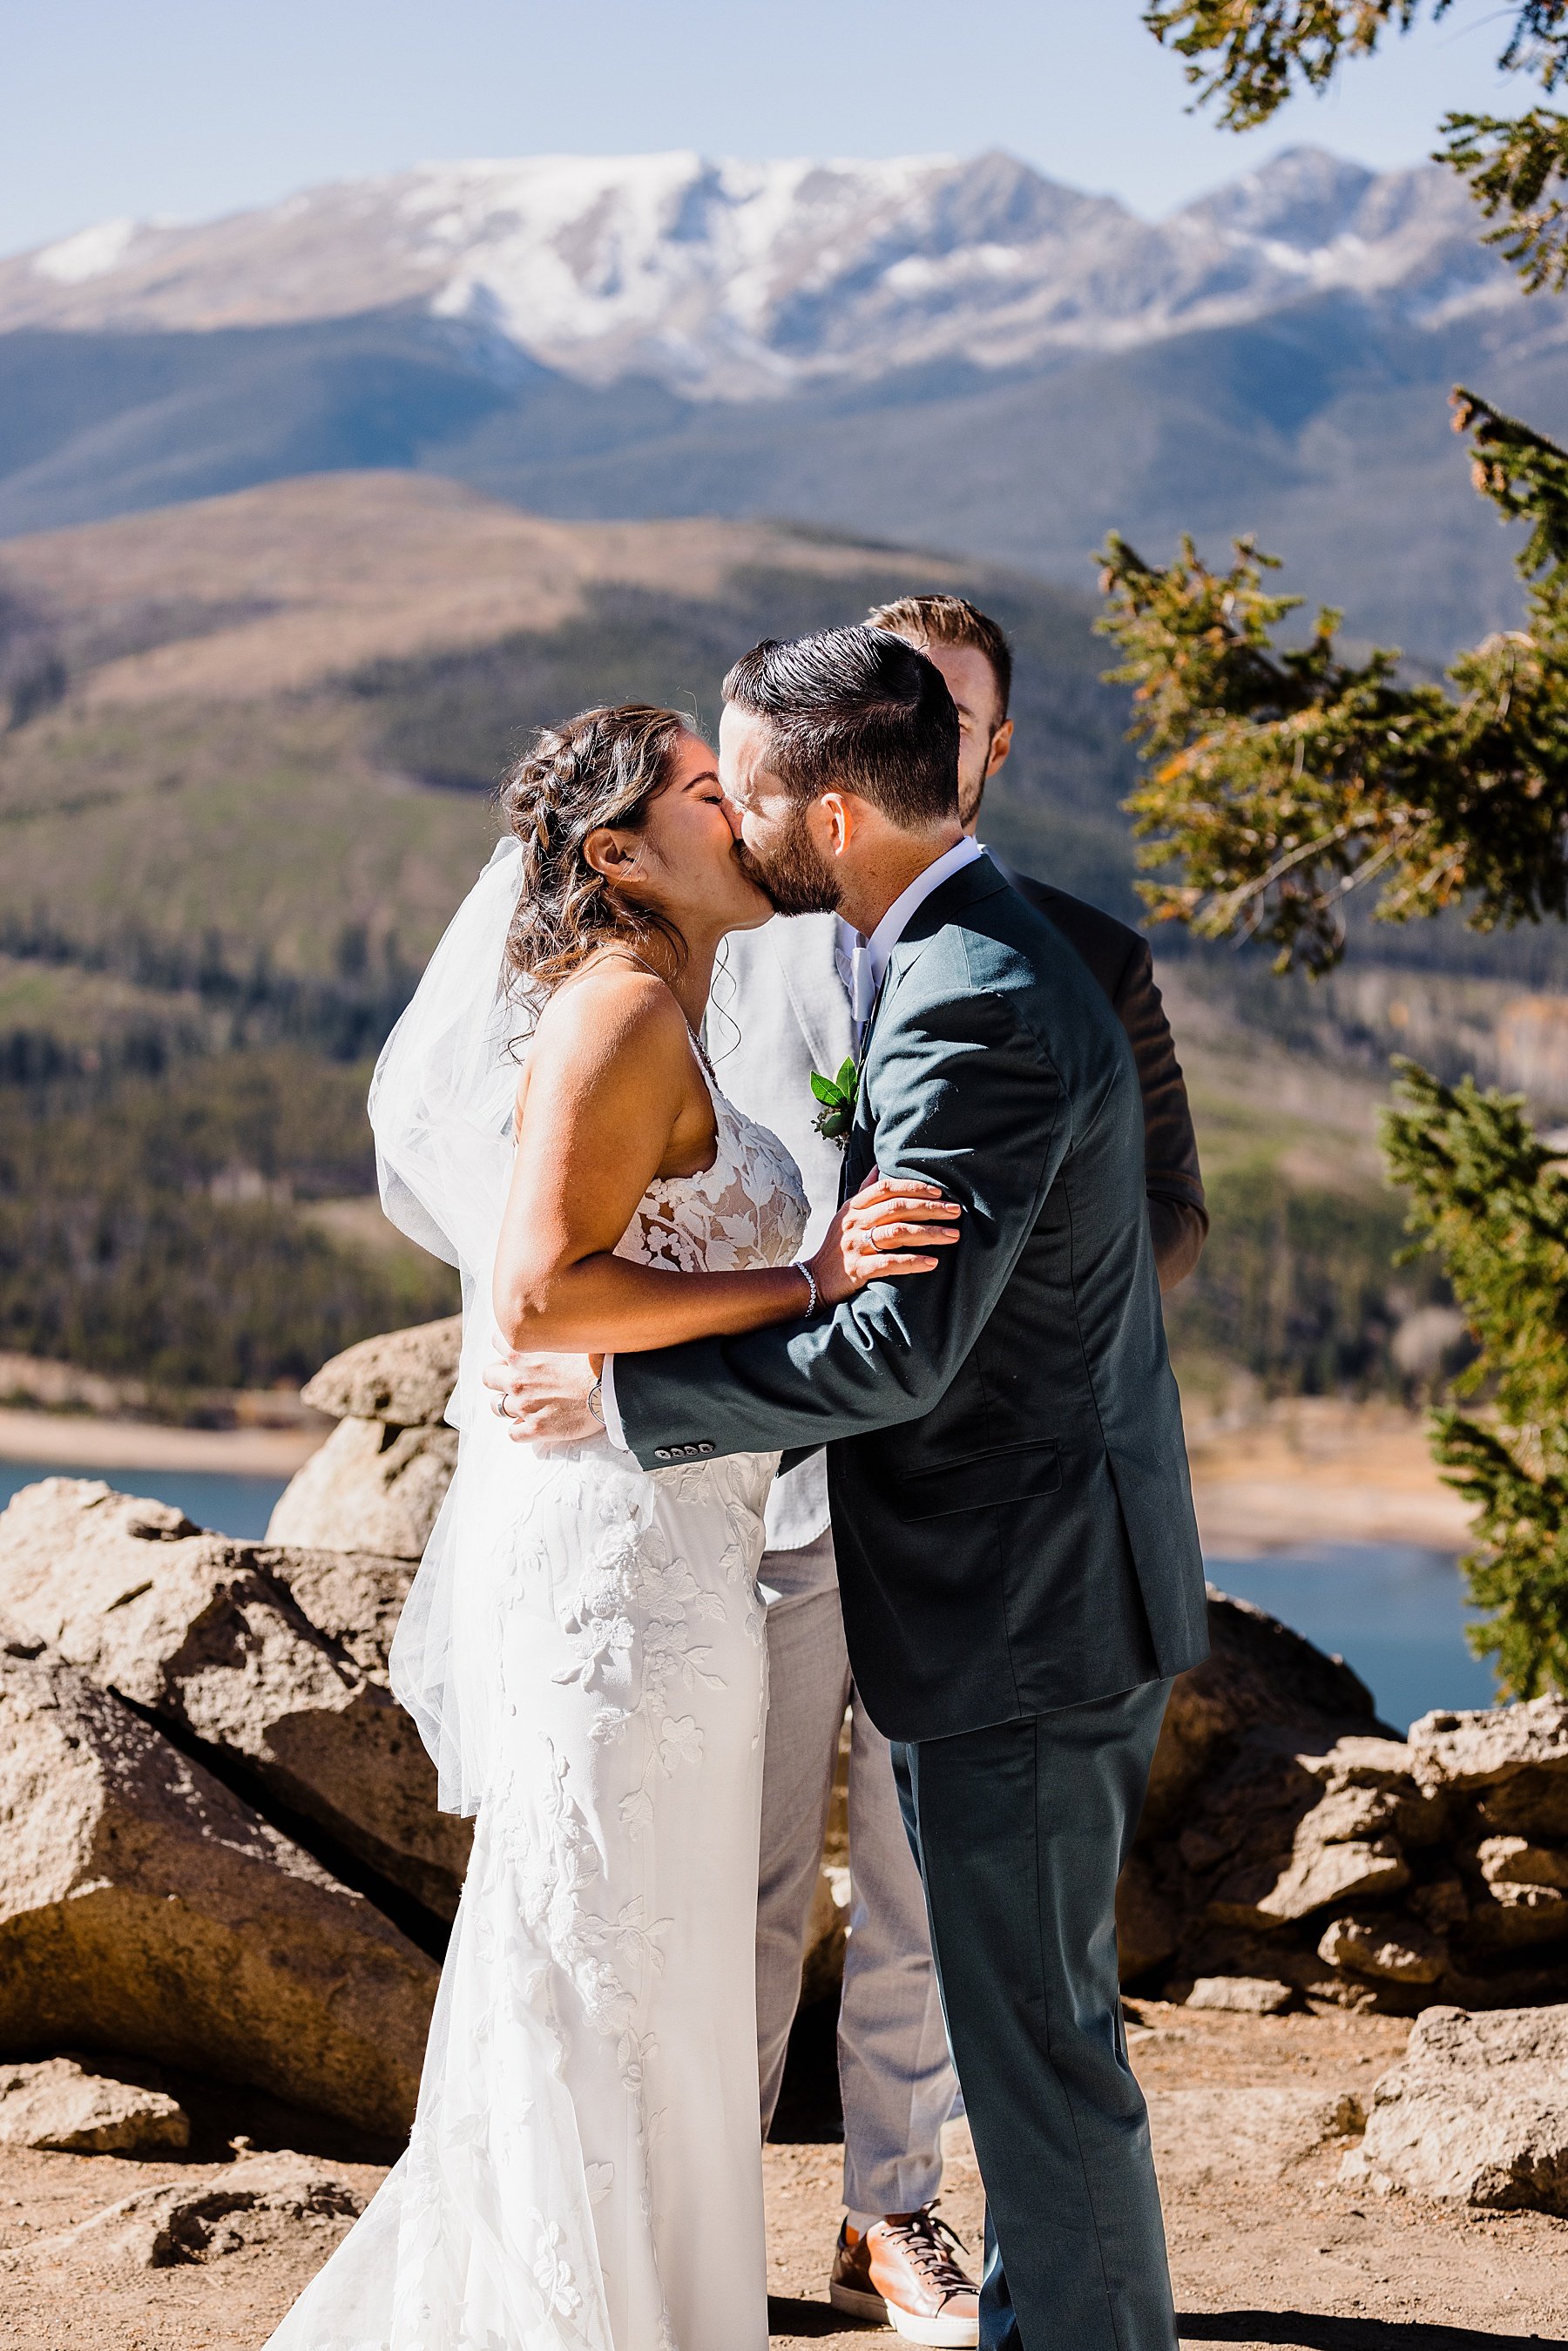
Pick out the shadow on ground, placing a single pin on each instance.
(1303, 2330)
(801, 2322)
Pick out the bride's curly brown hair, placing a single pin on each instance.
(603, 768)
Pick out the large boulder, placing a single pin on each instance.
(403, 1377)
(144, 1908)
(354, 1597)
(1476, 2111)
(209, 1636)
(370, 1487)
(1257, 1672)
(379, 1481)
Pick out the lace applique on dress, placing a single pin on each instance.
(748, 1209)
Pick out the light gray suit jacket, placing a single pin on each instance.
(779, 1011)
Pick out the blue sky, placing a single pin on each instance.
(191, 108)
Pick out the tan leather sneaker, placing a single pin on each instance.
(904, 2274)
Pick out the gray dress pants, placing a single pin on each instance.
(894, 2074)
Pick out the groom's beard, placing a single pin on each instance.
(794, 875)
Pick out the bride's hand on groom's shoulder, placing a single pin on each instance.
(544, 1399)
(892, 1225)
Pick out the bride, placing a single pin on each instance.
(582, 1649)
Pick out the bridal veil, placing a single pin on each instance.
(440, 1106)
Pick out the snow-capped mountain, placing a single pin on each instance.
(734, 280)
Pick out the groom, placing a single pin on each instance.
(1016, 1545)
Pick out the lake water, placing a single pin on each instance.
(1397, 1614)
(1394, 1612)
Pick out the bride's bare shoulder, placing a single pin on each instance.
(611, 1009)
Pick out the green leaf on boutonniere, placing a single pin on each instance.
(837, 1096)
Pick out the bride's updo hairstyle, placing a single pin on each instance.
(604, 767)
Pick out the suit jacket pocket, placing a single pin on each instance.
(1016, 1473)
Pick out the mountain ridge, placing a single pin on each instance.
(725, 280)
(934, 352)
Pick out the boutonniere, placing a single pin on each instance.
(837, 1096)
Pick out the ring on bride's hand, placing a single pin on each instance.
(501, 1406)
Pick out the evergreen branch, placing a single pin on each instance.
(1251, 54)
(1248, 56)
(1281, 779)
(1511, 165)
(1518, 1564)
(1526, 477)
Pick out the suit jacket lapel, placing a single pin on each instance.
(978, 879)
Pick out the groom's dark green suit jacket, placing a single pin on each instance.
(1008, 1480)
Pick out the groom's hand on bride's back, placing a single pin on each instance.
(544, 1399)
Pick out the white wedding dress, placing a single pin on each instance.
(585, 2172)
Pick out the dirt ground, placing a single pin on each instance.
(1267, 2247)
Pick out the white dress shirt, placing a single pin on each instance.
(867, 960)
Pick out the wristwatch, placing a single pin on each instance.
(596, 1400)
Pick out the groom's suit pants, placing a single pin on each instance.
(895, 2077)
(1020, 1832)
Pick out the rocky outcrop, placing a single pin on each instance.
(1148, 1926)
(1259, 1679)
(403, 1377)
(61, 2105)
(217, 1639)
(378, 1482)
(1476, 2111)
(144, 1908)
(1376, 1872)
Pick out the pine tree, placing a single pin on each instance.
(1488, 1194)
(1279, 779)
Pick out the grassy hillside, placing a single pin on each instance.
(319, 755)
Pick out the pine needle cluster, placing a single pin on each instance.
(1247, 57)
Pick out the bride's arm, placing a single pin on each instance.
(609, 1075)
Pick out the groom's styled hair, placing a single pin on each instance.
(860, 709)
